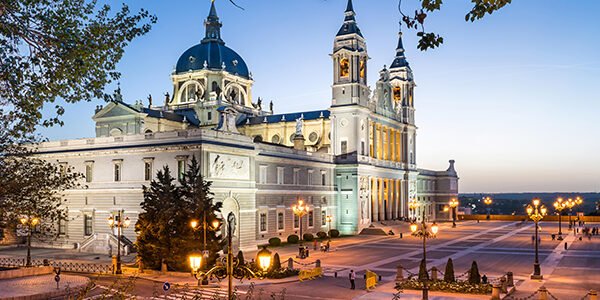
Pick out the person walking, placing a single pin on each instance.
(352, 277)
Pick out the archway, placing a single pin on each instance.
(230, 204)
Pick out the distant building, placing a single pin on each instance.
(354, 161)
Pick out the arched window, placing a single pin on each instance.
(116, 132)
(344, 67)
(191, 93)
(397, 94)
(258, 139)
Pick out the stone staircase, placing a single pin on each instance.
(106, 243)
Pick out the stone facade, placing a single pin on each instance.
(355, 161)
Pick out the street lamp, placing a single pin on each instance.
(195, 226)
(30, 223)
(300, 210)
(231, 267)
(487, 201)
(412, 206)
(536, 213)
(453, 204)
(118, 222)
(328, 219)
(570, 204)
(559, 206)
(424, 232)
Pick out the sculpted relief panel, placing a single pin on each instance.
(226, 166)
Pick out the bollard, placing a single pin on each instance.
(434, 273)
(379, 278)
(593, 295)
(496, 291)
(114, 263)
(400, 234)
(503, 285)
(290, 263)
(399, 274)
(335, 274)
(510, 279)
(543, 292)
(318, 263)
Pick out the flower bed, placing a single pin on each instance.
(463, 287)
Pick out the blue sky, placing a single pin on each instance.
(513, 98)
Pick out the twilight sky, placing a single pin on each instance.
(511, 97)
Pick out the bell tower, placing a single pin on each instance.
(350, 63)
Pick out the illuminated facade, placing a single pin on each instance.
(354, 161)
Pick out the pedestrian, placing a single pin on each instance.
(532, 239)
(565, 245)
(315, 244)
(484, 279)
(352, 277)
(553, 237)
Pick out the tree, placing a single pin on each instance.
(195, 191)
(449, 273)
(276, 263)
(32, 196)
(65, 49)
(430, 40)
(156, 226)
(164, 231)
(474, 276)
(240, 258)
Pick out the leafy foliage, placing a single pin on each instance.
(65, 49)
(31, 187)
(164, 233)
(276, 262)
(275, 242)
(334, 233)
(293, 239)
(309, 237)
(430, 40)
(322, 234)
(463, 287)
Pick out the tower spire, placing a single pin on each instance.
(400, 60)
(349, 26)
(213, 26)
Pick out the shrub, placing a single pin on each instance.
(463, 287)
(322, 234)
(293, 239)
(274, 242)
(449, 274)
(240, 258)
(474, 277)
(308, 237)
(334, 233)
(276, 262)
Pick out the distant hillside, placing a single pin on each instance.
(515, 203)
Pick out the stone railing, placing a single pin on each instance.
(67, 266)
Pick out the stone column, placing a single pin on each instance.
(496, 291)
(380, 201)
(374, 201)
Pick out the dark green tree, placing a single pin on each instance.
(199, 203)
(158, 227)
(423, 275)
(240, 258)
(474, 276)
(449, 273)
(60, 49)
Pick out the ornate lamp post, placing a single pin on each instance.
(453, 204)
(300, 210)
(559, 206)
(488, 201)
(231, 267)
(195, 226)
(29, 223)
(536, 213)
(118, 222)
(412, 206)
(570, 204)
(424, 232)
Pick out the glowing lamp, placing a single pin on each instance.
(529, 209)
(434, 228)
(195, 261)
(543, 210)
(413, 227)
(264, 259)
(194, 224)
(216, 224)
(536, 201)
(127, 222)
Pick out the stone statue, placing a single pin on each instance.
(231, 223)
(259, 103)
(149, 100)
(271, 106)
(167, 98)
(299, 125)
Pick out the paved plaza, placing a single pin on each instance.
(498, 247)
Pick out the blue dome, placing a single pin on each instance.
(214, 54)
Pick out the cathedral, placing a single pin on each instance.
(353, 162)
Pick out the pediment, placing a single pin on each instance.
(114, 109)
